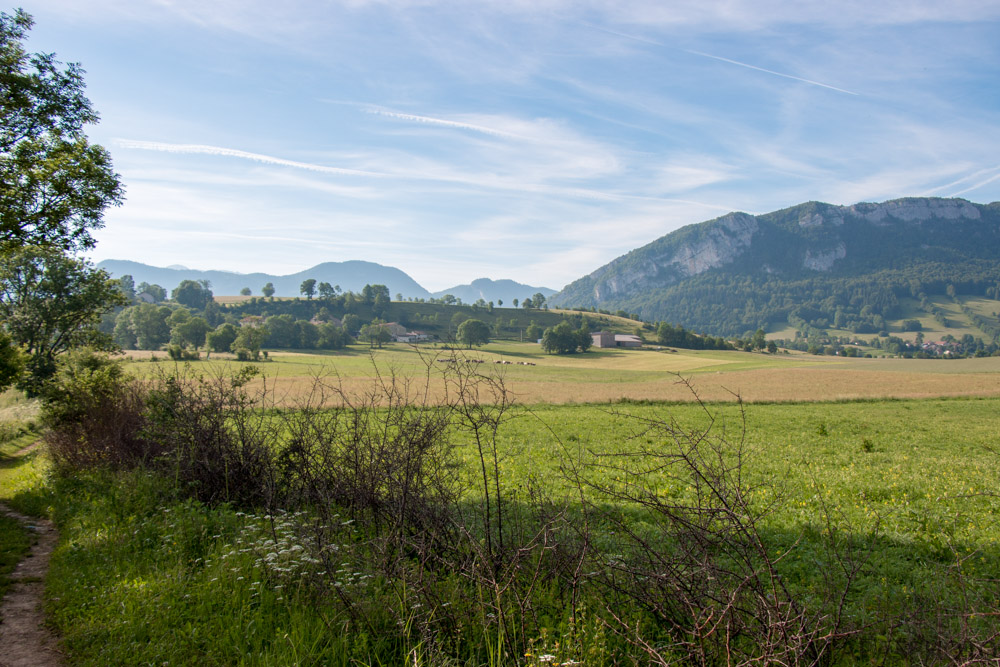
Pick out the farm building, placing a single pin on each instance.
(412, 337)
(627, 340)
(608, 339)
(603, 339)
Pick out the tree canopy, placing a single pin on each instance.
(473, 332)
(54, 185)
(193, 294)
(50, 302)
(376, 333)
(563, 339)
(156, 292)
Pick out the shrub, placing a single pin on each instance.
(214, 435)
(94, 415)
(180, 353)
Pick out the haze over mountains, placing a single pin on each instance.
(350, 275)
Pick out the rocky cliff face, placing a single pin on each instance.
(915, 209)
(824, 260)
(718, 245)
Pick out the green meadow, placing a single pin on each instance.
(145, 574)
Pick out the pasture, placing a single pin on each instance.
(959, 324)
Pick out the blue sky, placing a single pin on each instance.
(534, 140)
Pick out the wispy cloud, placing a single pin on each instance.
(509, 136)
(440, 122)
(218, 151)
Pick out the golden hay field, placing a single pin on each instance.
(605, 376)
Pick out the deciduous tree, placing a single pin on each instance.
(192, 331)
(352, 323)
(221, 339)
(376, 333)
(248, 342)
(148, 324)
(54, 188)
(563, 339)
(473, 332)
(51, 302)
(54, 185)
(192, 293)
(156, 292)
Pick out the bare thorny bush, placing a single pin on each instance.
(390, 458)
(684, 544)
(662, 540)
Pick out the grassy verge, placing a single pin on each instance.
(15, 476)
(14, 544)
(145, 577)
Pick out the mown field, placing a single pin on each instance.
(897, 457)
(606, 375)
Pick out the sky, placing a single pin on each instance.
(533, 140)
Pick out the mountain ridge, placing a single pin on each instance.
(875, 251)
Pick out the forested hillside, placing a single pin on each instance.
(810, 265)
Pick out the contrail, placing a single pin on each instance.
(977, 185)
(653, 42)
(964, 179)
(769, 71)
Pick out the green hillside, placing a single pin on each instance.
(811, 265)
(436, 319)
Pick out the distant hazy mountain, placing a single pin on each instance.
(811, 264)
(494, 290)
(352, 275)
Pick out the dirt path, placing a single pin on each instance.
(24, 639)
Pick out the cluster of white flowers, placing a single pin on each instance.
(276, 543)
(285, 552)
